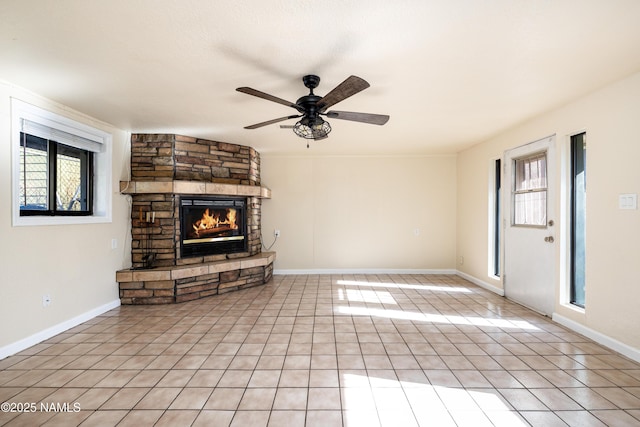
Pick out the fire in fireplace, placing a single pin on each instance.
(211, 226)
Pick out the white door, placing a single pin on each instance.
(530, 229)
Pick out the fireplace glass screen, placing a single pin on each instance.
(211, 226)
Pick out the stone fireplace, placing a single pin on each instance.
(195, 220)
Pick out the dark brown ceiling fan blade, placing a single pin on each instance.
(374, 119)
(270, 122)
(263, 95)
(347, 88)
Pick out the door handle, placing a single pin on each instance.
(549, 239)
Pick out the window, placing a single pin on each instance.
(61, 169)
(496, 218)
(578, 218)
(55, 179)
(530, 191)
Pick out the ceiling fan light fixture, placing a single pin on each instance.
(317, 129)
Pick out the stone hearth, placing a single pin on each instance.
(165, 167)
(165, 285)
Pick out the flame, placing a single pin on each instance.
(213, 220)
(231, 217)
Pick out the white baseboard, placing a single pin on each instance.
(362, 271)
(481, 283)
(613, 344)
(43, 335)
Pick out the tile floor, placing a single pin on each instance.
(351, 350)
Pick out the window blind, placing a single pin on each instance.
(64, 135)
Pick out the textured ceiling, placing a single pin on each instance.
(450, 73)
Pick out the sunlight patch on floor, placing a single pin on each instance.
(434, 318)
(363, 295)
(404, 286)
(368, 402)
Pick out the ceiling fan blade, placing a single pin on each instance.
(347, 88)
(374, 119)
(270, 122)
(263, 95)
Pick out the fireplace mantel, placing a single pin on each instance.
(194, 188)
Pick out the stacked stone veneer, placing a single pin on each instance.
(165, 167)
(162, 157)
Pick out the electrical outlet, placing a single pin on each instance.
(46, 300)
(461, 260)
(276, 233)
(114, 243)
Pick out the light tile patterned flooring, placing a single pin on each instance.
(321, 350)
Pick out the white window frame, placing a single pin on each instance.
(528, 191)
(102, 199)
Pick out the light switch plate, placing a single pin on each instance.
(628, 201)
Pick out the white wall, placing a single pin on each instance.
(74, 264)
(610, 117)
(360, 213)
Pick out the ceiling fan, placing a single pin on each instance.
(311, 107)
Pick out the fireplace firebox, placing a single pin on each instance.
(212, 225)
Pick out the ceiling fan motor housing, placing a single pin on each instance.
(309, 104)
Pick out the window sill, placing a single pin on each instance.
(573, 307)
(20, 221)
